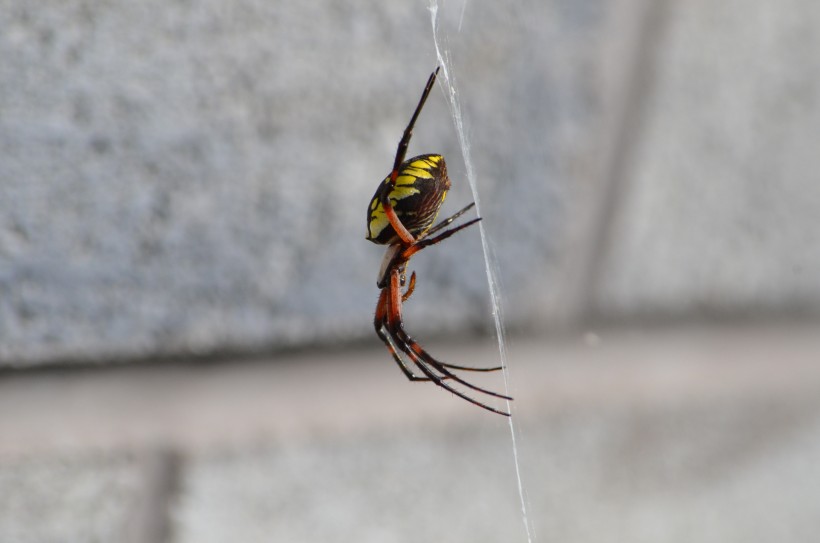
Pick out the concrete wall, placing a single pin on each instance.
(685, 435)
(188, 177)
(720, 203)
(191, 177)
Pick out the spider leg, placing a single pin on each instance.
(421, 358)
(469, 368)
(426, 242)
(405, 236)
(446, 222)
(380, 323)
(441, 237)
(401, 152)
(406, 341)
(394, 353)
(440, 381)
(410, 287)
(382, 330)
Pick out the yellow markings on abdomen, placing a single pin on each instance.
(419, 177)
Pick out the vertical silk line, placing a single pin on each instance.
(490, 263)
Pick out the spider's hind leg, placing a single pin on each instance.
(380, 323)
(388, 314)
(424, 361)
(394, 353)
(470, 368)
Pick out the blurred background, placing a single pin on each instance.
(186, 295)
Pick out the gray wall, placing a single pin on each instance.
(188, 177)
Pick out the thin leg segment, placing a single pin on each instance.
(380, 323)
(405, 236)
(401, 152)
(446, 222)
(420, 357)
(426, 242)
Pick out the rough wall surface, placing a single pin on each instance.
(188, 177)
(185, 177)
(720, 211)
(192, 177)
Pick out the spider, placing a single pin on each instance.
(401, 215)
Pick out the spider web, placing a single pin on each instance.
(448, 83)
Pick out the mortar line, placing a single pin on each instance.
(621, 140)
(151, 517)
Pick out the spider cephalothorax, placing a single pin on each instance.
(401, 216)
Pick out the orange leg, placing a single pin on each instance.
(380, 323)
(426, 363)
(405, 236)
(410, 287)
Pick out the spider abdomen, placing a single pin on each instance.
(421, 186)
